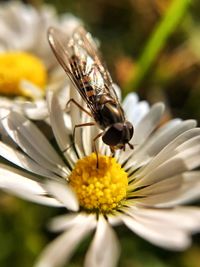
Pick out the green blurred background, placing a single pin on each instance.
(152, 47)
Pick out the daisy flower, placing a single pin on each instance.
(27, 66)
(146, 189)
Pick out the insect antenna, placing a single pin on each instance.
(130, 145)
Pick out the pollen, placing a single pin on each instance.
(101, 189)
(18, 66)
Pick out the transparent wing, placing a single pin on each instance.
(82, 45)
(85, 40)
(72, 59)
(60, 46)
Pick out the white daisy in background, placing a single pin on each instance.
(27, 65)
(146, 188)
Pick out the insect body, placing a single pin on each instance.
(79, 57)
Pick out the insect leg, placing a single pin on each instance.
(78, 105)
(95, 148)
(82, 125)
(112, 150)
(74, 131)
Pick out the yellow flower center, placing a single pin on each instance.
(18, 66)
(100, 189)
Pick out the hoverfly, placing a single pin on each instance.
(79, 57)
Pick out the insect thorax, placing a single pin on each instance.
(109, 112)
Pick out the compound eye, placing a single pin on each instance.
(129, 126)
(113, 135)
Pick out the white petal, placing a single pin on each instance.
(5, 103)
(155, 143)
(188, 192)
(192, 211)
(170, 150)
(30, 131)
(114, 219)
(143, 129)
(160, 187)
(69, 23)
(101, 253)
(76, 115)
(129, 101)
(13, 178)
(154, 200)
(185, 157)
(164, 135)
(134, 110)
(21, 160)
(160, 235)
(166, 170)
(64, 194)
(191, 157)
(4, 112)
(39, 199)
(87, 135)
(148, 124)
(63, 95)
(171, 217)
(60, 250)
(161, 140)
(139, 112)
(64, 222)
(31, 89)
(61, 132)
(36, 110)
(24, 186)
(33, 142)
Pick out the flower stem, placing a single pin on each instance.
(156, 42)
